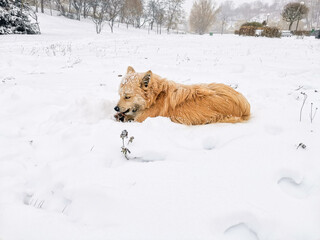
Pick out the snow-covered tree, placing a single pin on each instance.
(294, 11)
(15, 18)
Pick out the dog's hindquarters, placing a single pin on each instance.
(212, 103)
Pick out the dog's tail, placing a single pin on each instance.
(234, 119)
(245, 107)
(241, 113)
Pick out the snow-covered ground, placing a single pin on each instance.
(62, 173)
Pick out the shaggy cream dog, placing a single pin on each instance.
(144, 95)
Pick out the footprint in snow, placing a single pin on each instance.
(53, 199)
(240, 231)
(294, 188)
(209, 143)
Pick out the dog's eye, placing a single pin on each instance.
(127, 97)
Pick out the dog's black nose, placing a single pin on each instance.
(117, 108)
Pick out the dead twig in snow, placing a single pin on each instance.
(304, 101)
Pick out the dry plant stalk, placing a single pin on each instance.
(124, 149)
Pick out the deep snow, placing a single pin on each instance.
(62, 175)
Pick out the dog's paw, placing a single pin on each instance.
(121, 117)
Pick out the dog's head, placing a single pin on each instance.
(134, 94)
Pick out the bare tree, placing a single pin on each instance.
(126, 14)
(140, 14)
(77, 5)
(87, 4)
(113, 9)
(60, 7)
(313, 18)
(134, 13)
(155, 13)
(160, 14)
(151, 12)
(225, 12)
(294, 11)
(99, 13)
(174, 12)
(202, 16)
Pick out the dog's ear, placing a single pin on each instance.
(130, 70)
(146, 79)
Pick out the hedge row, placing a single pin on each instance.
(301, 33)
(270, 32)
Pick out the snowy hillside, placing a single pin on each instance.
(62, 173)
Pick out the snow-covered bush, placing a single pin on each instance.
(16, 19)
(271, 32)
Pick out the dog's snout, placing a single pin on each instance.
(116, 108)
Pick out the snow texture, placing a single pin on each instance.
(62, 173)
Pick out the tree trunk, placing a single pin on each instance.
(111, 25)
(297, 25)
(84, 10)
(98, 27)
(94, 10)
(69, 10)
(36, 4)
(61, 9)
(50, 7)
(290, 25)
(42, 6)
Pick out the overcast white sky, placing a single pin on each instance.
(188, 3)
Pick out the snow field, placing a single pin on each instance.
(62, 175)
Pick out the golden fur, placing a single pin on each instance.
(144, 95)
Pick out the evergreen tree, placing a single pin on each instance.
(15, 18)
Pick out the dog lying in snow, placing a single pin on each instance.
(144, 95)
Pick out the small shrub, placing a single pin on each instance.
(248, 30)
(271, 32)
(252, 24)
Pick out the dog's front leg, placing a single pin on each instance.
(150, 112)
(141, 117)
